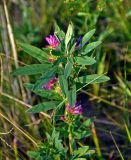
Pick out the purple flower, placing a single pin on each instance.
(75, 110)
(79, 40)
(52, 41)
(49, 85)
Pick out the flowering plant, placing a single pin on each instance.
(62, 64)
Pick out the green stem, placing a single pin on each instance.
(70, 139)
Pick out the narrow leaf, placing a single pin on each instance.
(68, 68)
(45, 78)
(63, 84)
(91, 46)
(94, 78)
(85, 60)
(72, 96)
(87, 36)
(59, 33)
(34, 52)
(68, 34)
(48, 94)
(42, 107)
(31, 69)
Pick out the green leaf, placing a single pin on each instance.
(31, 69)
(42, 107)
(82, 134)
(72, 96)
(73, 48)
(33, 154)
(68, 68)
(56, 53)
(85, 60)
(81, 151)
(63, 84)
(94, 78)
(87, 123)
(59, 33)
(87, 36)
(45, 78)
(35, 52)
(56, 27)
(91, 46)
(48, 94)
(68, 34)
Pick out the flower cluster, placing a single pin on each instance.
(53, 44)
(49, 85)
(52, 41)
(74, 110)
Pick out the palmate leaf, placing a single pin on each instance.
(90, 47)
(94, 78)
(85, 60)
(31, 69)
(87, 36)
(35, 52)
(43, 107)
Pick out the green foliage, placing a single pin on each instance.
(72, 96)
(63, 84)
(31, 21)
(67, 67)
(87, 36)
(48, 94)
(94, 78)
(34, 52)
(65, 70)
(31, 69)
(52, 149)
(90, 47)
(85, 60)
(68, 35)
(82, 151)
(43, 107)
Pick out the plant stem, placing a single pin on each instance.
(70, 139)
(96, 140)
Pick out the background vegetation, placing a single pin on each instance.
(31, 21)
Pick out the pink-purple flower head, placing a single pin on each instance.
(49, 85)
(77, 109)
(52, 41)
